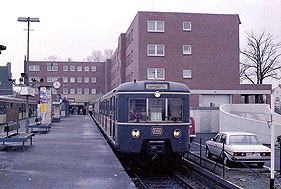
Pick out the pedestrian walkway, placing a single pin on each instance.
(73, 154)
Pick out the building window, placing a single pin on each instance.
(94, 68)
(187, 49)
(34, 68)
(54, 78)
(52, 67)
(86, 68)
(49, 79)
(72, 68)
(65, 68)
(79, 91)
(94, 91)
(155, 50)
(155, 26)
(55, 68)
(79, 68)
(65, 90)
(72, 91)
(186, 25)
(86, 79)
(156, 73)
(65, 79)
(93, 79)
(187, 73)
(86, 91)
(72, 80)
(49, 68)
(79, 79)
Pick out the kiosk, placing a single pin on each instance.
(56, 107)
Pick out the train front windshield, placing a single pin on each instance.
(156, 110)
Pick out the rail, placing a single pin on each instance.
(208, 175)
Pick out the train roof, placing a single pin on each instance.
(136, 86)
(142, 86)
(13, 99)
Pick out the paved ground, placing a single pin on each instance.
(72, 155)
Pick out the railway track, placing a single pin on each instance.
(188, 176)
(167, 180)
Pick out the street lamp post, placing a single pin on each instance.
(272, 163)
(28, 20)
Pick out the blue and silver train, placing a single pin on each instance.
(146, 118)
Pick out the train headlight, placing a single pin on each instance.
(135, 133)
(157, 94)
(177, 133)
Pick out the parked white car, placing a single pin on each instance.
(239, 147)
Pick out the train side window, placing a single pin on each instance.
(175, 107)
(137, 110)
(2, 108)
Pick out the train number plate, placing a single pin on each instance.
(253, 155)
(156, 130)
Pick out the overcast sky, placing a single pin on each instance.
(73, 29)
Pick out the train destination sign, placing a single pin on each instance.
(156, 86)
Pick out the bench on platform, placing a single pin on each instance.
(38, 125)
(9, 136)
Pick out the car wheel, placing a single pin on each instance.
(260, 164)
(208, 153)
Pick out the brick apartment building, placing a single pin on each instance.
(81, 82)
(200, 50)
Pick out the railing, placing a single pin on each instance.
(222, 156)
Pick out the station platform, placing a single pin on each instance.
(74, 154)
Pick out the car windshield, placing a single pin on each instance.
(244, 139)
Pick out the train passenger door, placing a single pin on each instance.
(110, 116)
(113, 116)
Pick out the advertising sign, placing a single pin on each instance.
(43, 108)
(45, 99)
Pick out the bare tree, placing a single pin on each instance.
(108, 53)
(260, 58)
(53, 58)
(243, 75)
(98, 56)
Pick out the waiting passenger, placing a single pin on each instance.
(136, 116)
